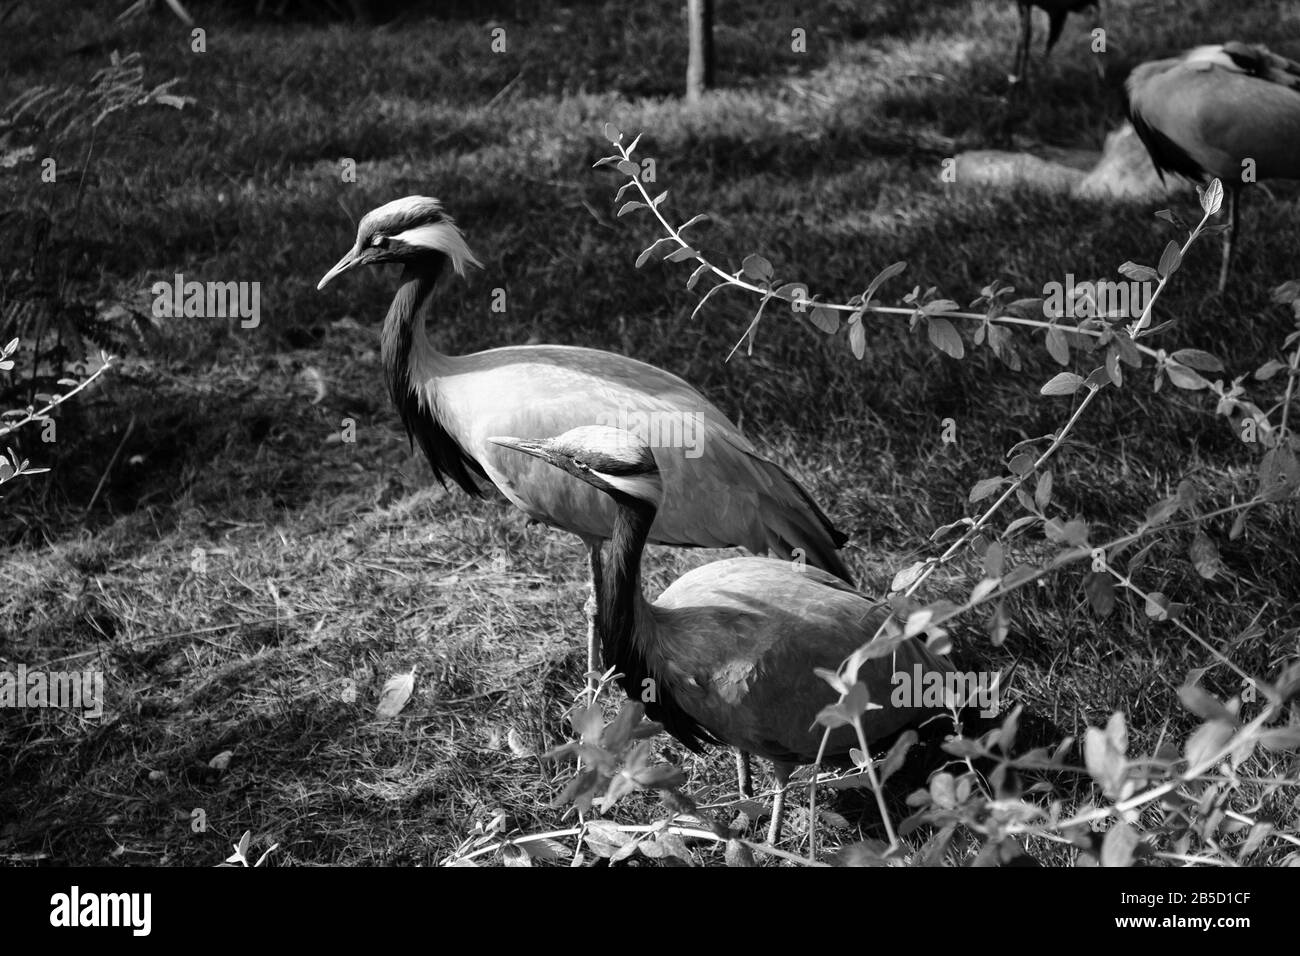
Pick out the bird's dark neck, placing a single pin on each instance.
(404, 347)
(404, 327)
(629, 637)
(621, 600)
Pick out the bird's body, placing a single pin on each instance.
(727, 653)
(1229, 111)
(1200, 114)
(719, 494)
(734, 644)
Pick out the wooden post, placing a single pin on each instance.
(699, 61)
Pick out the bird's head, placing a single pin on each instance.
(611, 460)
(405, 230)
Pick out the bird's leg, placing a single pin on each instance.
(782, 772)
(1022, 51)
(1228, 238)
(593, 615)
(744, 779)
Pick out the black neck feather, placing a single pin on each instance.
(414, 303)
(625, 636)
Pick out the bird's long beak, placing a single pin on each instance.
(352, 258)
(529, 446)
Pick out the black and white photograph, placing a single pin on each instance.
(644, 434)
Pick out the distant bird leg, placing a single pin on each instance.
(744, 776)
(1229, 238)
(1022, 51)
(782, 772)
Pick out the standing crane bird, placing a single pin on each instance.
(1220, 111)
(728, 650)
(718, 491)
(1057, 11)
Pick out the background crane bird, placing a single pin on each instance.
(718, 493)
(729, 647)
(1216, 111)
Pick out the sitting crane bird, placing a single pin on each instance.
(1057, 12)
(718, 491)
(1220, 111)
(728, 650)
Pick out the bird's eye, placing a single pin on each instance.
(380, 242)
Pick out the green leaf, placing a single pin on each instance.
(1278, 473)
(682, 254)
(1097, 378)
(1019, 574)
(1138, 273)
(697, 275)
(1268, 370)
(651, 250)
(1207, 741)
(756, 268)
(1195, 358)
(828, 320)
(885, 275)
(738, 854)
(1043, 491)
(939, 306)
(1065, 383)
(1120, 842)
(1112, 367)
(1100, 591)
(1128, 350)
(897, 755)
(999, 624)
(858, 340)
(1170, 259)
(943, 790)
(628, 207)
(1204, 555)
(1058, 346)
(1212, 197)
(905, 578)
(1185, 378)
(993, 560)
(1203, 704)
(944, 336)
(1280, 738)
(613, 133)
(604, 838)
(984, 488)
(1020, 465)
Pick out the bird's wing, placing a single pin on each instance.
(718, 491)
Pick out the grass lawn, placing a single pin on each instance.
(247, 582)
